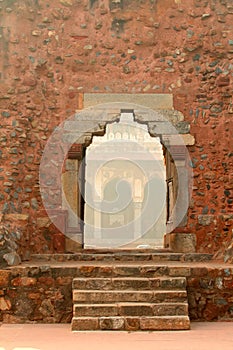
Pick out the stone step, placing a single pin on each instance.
(118, 270)
(130, 283)
(115, 296)
(131, 309)
(133, 323)
(124, 255)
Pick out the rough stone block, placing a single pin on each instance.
(181, 242)
(205, 220)
(131, 283)
(105, 271)
(94, 283)
(153, 271)
(169, 296)
(112, 323)
(85, 323)
(16, 217)
(23, 281)
(12, 258)
(179, 271)
(126, 270)
(173, 283)
(189, 140)
(165, 323)
(4, 278)
(198, 257)
(174, 140)
(87, 271)
(132, 324)
(135, 309)
(46, 281)
(5, 304)
(170, 309)
(95, 310)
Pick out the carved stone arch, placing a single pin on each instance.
(166, 123)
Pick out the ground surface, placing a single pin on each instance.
(214, 336)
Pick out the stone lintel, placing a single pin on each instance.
(153, 101)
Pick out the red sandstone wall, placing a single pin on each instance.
(53, 51)
(40, 294)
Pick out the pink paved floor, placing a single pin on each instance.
(208, 336)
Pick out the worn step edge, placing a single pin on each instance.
(118, 255)
(154, 323)
(132, 278)
(131, 283)
(127, 270)
(99, 296)
(131, 309)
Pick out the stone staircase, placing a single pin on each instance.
(128, 296)
(128, 290)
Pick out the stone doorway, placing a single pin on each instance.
(162, 121)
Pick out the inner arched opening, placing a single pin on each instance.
(125, 188)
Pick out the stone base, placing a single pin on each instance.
(71, 244)
(126, 323)
(180, 242)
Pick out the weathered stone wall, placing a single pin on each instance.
(210, 294)
(39, 294)
(54, 51)
(9, 246)
(43, 294)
